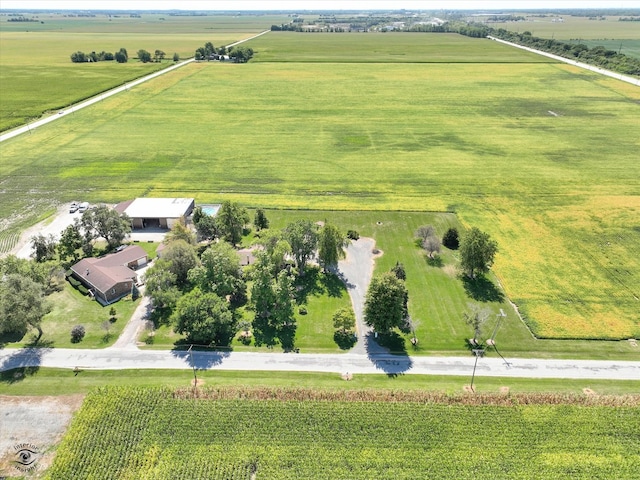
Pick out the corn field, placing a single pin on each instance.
(135, 433)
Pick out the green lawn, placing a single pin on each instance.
(71, 308)
(538, 155)
(135, 432)
(52, 381)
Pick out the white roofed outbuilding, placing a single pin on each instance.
(157, 212)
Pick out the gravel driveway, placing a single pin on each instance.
(356, 271)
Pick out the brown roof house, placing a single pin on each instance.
(111, 277)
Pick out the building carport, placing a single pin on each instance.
(157, 212)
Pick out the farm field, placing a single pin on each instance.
(539, 155)
(46, 80)
(574, 27)
(150, 433)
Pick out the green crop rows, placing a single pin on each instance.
(152, 434)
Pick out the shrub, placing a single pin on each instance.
(353, 235)
(77, 334)
(451, 240)
(302, 310)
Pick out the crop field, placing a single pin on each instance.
(45, 79)
(388, 48)
(542, 156)
(574, 28)
(157, 434)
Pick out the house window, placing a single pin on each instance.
(113, 290)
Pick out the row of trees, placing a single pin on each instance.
(598, 56)
(99, 222)
(121, 56)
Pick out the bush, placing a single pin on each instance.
(353, 235)
(77, 334)
(302, 310)
(451, 239)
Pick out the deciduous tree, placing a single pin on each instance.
(204, 318)
(230, 220)
(331, 244)
(161, 285)
(44, 247)
(477, 251)
(70, 242)
(344, 320)
(451, 239)
(182, 258)
(303, 239)
(260, 220)
(22, 304)
(219, 271)
(384, 307)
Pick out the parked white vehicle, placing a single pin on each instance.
(83, 207)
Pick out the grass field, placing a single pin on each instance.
(541, 156)
(138, 433)
(45, 79)
(53, 381)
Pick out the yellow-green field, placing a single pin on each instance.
(37, 75)
(541, 156)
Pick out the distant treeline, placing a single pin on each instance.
(598, 56)
(23, 19)
(629, 19)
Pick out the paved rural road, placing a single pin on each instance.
(120, 359)
(602, 71)
(102, 96)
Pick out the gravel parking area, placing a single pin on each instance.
(32, 424)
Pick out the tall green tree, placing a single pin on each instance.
(161, 285)
(181, 257)
(122, 56)
(331, 245)
(384, 307)
(219, 271)
(144, 56)
(107, 223)
(204, 318)
(303, 239)
(44, 247)
(344, 320)
(231, 220)
(205, 224)
(70, 242)
(477, 252)
(180, 231)
(260, 220)
(22, 304)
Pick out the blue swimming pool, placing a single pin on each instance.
(210, 209)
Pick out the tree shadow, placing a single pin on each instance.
(344, 340)
(23, 362)
(482, 289)
(11, 337)
(388, 353)
(200, 357)
(263, 333)
(434, 261)
(307, 284)
(333, 285)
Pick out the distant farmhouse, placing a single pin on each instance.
(113, 276)
(156, 212)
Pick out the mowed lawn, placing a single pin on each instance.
(541, 156)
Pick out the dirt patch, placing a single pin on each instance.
(633, 342)
(450, 270)
(200, 383)
(468, 389)
(39, 422)
(504, 390)
(347, 376)
(588, 391)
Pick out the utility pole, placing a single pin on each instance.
(195, 378)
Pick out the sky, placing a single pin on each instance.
(313, 4)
